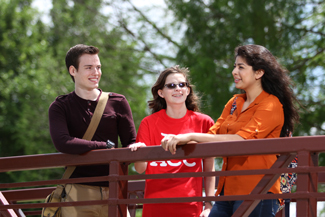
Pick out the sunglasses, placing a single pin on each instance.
(173, 86)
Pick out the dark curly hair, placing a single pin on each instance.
(275, 81)
(158, 103)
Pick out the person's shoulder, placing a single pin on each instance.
(267, 97)
(155, 116)
(116, 96)
(271, 100)
(201, 116)
(63, 98)
(62, 101)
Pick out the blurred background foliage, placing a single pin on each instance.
(137, 41)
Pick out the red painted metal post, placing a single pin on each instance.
(304, 208)
(123, 189)
(113, 188)
(313, 185)
(117, 189)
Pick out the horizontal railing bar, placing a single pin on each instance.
(296, 195)
(300, 169)
(224, 198)
(41, 193)
(212, 149)
(28, 194)
(29, 213)
(55, 182)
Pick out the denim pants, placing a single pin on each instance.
(265, 208)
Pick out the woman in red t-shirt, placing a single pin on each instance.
(174, 111)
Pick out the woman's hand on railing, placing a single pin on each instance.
(139, 166)
(137, 145)
(170, 141)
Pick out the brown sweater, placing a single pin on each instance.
(69, 117)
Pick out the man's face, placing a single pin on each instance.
(89, 73)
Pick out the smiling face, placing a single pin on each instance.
(245, 77)
(89, 72)
(177, 95)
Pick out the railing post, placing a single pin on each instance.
(117, 189)
(306, 183)
(313, 185)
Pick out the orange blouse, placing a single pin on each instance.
(263, 118)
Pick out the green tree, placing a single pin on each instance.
(24, 87)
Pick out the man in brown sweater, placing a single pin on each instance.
(69, 117)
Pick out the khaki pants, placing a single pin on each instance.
(76, 192)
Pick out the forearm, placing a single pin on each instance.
(78, 146)
(204, 137)
(140, 167)
(209, 181)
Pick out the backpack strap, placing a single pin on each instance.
(98, 113)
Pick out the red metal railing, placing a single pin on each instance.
(306, 196)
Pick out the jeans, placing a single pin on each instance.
(265, 208)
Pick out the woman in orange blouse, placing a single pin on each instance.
(265, 110)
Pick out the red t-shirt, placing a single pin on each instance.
(149, 133)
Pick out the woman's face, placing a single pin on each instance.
(245, 77)
(179, 92)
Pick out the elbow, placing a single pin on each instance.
(140, 167)
(66, 148)
(140, 171)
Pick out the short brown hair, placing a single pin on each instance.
(74, 53)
